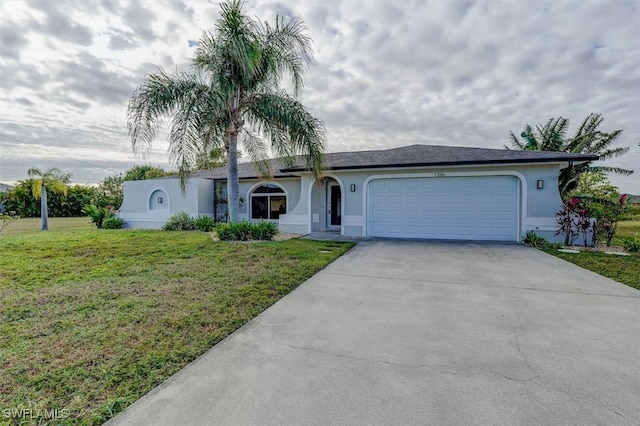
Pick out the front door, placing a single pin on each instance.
(334, 219)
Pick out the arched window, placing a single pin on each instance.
(268, 201)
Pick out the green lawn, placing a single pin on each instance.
(93, 319)
(624, 269)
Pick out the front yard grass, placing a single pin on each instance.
(93, 319)
(624, 269)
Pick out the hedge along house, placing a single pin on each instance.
(417, 191)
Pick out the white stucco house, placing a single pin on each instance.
(417, 191)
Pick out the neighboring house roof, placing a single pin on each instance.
(4, 187)
(407, 156)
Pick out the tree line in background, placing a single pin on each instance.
(65, 199)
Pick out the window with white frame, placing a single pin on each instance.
(268, 201)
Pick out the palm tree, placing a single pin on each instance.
(232, 96)
(52, 178)
(587, 140)
(549, 137)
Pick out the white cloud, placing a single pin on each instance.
(385, 74)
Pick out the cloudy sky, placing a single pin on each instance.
(386, 73)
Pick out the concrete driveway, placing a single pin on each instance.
(400, 332)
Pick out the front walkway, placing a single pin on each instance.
(330, 236)
(418, 333)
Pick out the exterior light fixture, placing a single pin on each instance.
(159, 200)
(539, 184)
(353, 187)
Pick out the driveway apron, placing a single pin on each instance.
(407, 332)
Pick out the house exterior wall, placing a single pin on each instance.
(306, 200)
(142, 209)
(537, 207)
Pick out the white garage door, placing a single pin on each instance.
(460, 208)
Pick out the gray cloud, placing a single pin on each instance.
(140, 19)
(122, 40)
(385, 74)
(88, 76)
(12, 40)
(59, 25)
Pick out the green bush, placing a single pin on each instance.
(532, 239)
(112, 222)
(180, 222)
(96, 214)
(631, 244)
(244, 231)
(204, 223)
(264, 231)
(241, 231)
(630, 212)
(103, 217)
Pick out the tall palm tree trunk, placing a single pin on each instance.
(44, 213)
(233, 189)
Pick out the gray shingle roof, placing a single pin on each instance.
(407, 156)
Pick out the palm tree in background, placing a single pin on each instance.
(589, 139)
(233, 96)
(53, 179)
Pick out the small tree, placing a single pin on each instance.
(609, 221)
(565, 218)
(144, 172)
(52, 178)
(109, 192)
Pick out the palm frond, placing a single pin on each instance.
(156, 98)
(275, 114)
(258, 152)
(608, 169)
(287, 50)
(516, 142)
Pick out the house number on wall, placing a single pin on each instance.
(439, 174)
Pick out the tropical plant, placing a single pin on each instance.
(96, 214)
(113, 222)
(22, 201)
(245, 231)
(631, 244)
(565, 219)
(144, 172)
(232, 97)
(595, 184)
(608, 224)
(100, 215)
(532, 239)
(212, 159)
(52, 178)
(180, 222)
(589, 139)
(264, 230)
(204, 223)
(109, 192)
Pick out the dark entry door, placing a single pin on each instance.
(335, 197)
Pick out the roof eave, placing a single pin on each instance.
(579, 160)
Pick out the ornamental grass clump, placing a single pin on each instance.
(245, 231)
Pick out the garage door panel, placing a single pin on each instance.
(453, 208)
